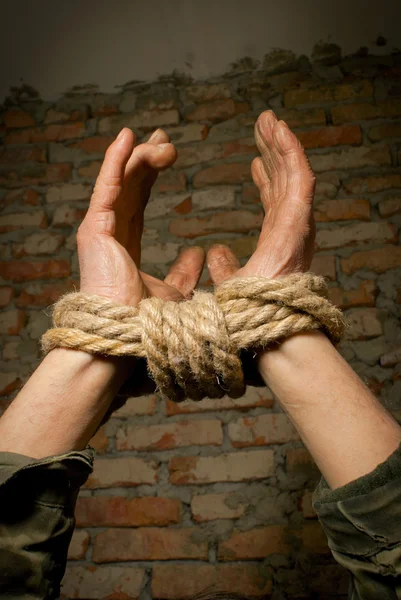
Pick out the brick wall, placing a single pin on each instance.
(186, 496)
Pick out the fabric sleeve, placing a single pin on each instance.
(362, 521)
(37, 500)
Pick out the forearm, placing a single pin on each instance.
(62, 404)
(346, 429)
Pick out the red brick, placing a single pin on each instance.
(21, 155)
(90, 170)
(102, 583)
(364, 295)
(78, 545)
(114, 511)
(382, 132)
(346, 235)
(11, 322)
(100, 441)
(170, 435)
(378, 260)
(68, 215)
(254, 397)
(254, 543)
(122, 472)
(390, 206)
(238, 466)
(250, 194)
(60, 116)
(222, 174)
(9, 382)
(342, 209)
(44, 294)
(352, 158)
(50, 133)
(324, 265)
(35, 174)
(38, 244)
(306, 506)
(328, 93)
(364, 324)
(170, 181)
(15, 118)
(372, 183)
(93, 145)
(241, 147)
(18, 270)
(390, 359)
(239, 221)
(180, 581)
(6, 295)
(22, 220)
(299, 461)
(26, 196)
(150, 543)
(202, 92)
(144, 405)
(362, 111)
(302, 118)
(218, 110)
(215, 506)
(262, 430)
(331, 136)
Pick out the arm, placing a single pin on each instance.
(45, 431)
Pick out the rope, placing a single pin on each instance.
(192, 347)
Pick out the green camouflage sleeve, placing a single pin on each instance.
(37, 503)
(362, 521)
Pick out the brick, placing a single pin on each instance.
(69, 192)
(254, 397)
(160, 253)
(61, 116)
(352, 158)
(93, 145)
(38, 244)
(342, 210)
(9, 382)
(302, 118)
(50, 133)
(378, 260)
(6, 295)
(170, 435)
(250, 194)
(78, 545)
(90, 170)
(103, 583)
(328, 93)
(15, 118)
(210, 507)
(214, 198)
(362, 111)
(11, 322)
(238, 466)
(363, 324)
(327, 185)
(11, 350)
(26, 196)
(146, 120)
(100, 441)
(300, 462)
(239, 221)
(150, 543)
(261, 430)
(22, 154)
(223, 174)
(122, 472)
(254, 544)
(17, 270)
(208, 92)
(345, 235)
(313, 538)
(195, 155)
(331, 136)
(68, 215)
(390, 359)
(242, 147)
(324, 265)
(22, 220)
(115, 511)
(181, 581)
(390, 206)
(364, 295)
(183, 134)
(38, 294)
(243, 247)
(306, 506)
(383, 132)
(144, 405)
(34, 174)
(218, 110)
(162, 206)
(170, 181)
(372, 183)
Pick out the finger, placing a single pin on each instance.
(111, 177)
(222, 263)
(300, 177)
(186, 270)
(271, 159)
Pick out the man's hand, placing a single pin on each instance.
(109, 238)
(286, 184)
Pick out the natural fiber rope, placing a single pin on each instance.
(192, 347)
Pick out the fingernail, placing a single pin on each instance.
(154, 135)
(161, 146)
(283, 135)
(121, 135)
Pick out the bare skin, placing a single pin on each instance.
(343, 425)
